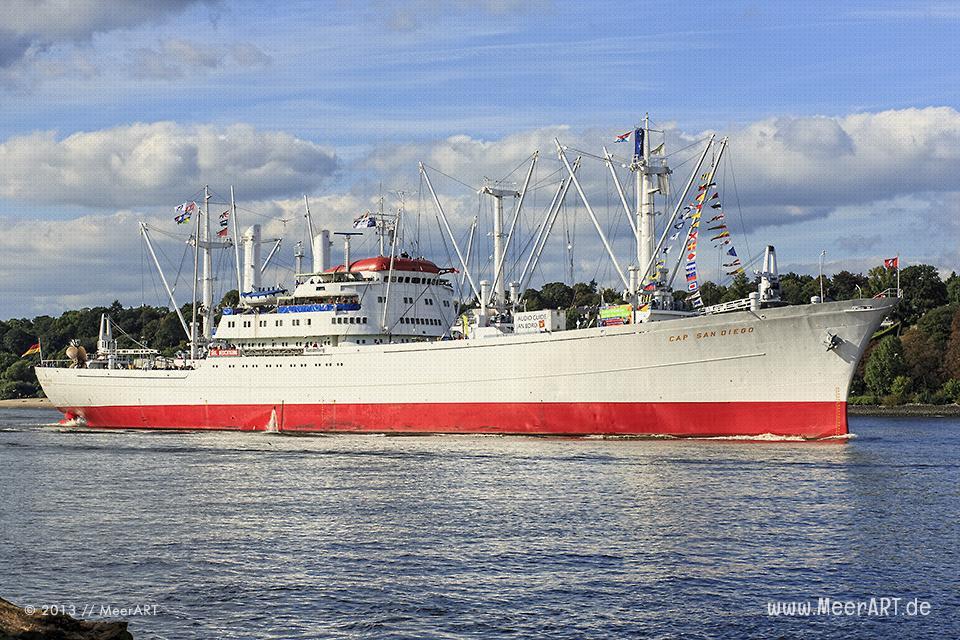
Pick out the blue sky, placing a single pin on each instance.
(111, 117)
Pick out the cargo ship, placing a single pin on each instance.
(392, 343)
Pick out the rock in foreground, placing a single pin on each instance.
(17, 624)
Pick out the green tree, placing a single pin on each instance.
(951, 356)
(16, 340)
(951, 390)
(711, 293)
(922, 360)
(812, 288)
(169, 334)
(20, 371)
(740, 288)
(899, 388)
(953, 288)
(884, 365)
(923, 290)
(611, 296)
(880, 279)
(585, 294)
(7, 359)
(532, 300)
(843, 285)
(793, 286)
(935, 324)
(556, 295)
(16, 389)
(230, 299)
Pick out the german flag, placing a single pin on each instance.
(32, 350)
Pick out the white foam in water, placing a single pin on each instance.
(772, 437)
(765, 437)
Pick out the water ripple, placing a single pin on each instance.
(236, 535)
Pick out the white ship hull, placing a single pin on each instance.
(716, 375)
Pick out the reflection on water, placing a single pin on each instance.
(271, 536)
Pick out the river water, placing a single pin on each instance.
(224, 535)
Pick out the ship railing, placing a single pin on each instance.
(726, 307)
(53, 363)
(890, 293)
(271, 351)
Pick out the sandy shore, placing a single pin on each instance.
(26, 403)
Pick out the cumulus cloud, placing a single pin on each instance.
(809, 162)
(787, 169)
(874, 176)
(150, 164)
(69, 264)
(94, 260)
(37, 24)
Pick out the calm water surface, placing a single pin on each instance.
(267, 536)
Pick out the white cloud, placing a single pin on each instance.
(51, 266)
(54, 265)
(862, 186)
(810, 162)
(786, 169)
(156, 163)
(37, 24)
(177, 58)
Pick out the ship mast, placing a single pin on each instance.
(236, 242)
(380, 221)
(193, 301)
(207, 270)
(499, 285)
(644, 199)
(643, 169)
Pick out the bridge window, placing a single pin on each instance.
(415, 280)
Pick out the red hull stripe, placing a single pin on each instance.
(806, 419)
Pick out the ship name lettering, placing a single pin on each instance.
(737, 331)
(678, 338)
